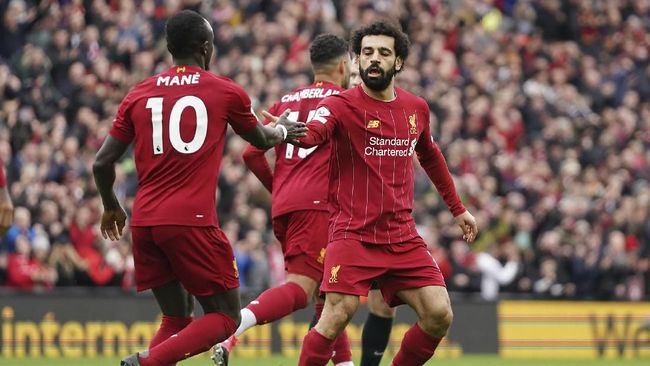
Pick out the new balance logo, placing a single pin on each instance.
(373, 123)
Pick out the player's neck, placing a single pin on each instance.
(386, 95)
(186, 62)
(327, 78)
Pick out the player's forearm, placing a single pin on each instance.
(104, 175)
(265, 137)
(435, 166)
(256, 162)
(316, 135)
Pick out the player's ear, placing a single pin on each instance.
(205, 48)
(398, 64)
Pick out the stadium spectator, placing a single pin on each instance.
(548, 99)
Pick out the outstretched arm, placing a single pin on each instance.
(435, 165)
(114, 217)
(320, 128)
(265, 137)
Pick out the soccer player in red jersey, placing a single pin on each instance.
(379, 322)
(375, 129)
(6, 206)
(177, 122)
(299, 201)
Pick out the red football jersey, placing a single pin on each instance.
(177, 121)
(300, 176)
(371, 174)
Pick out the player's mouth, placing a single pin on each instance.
(375, 72)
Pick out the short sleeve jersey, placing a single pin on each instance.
(300, 175)
(177, 122)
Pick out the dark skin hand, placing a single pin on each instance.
(114, 217)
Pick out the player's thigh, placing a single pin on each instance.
(430, 303)
(201, 258)
(410, 268)
(350, 267)
(378, 306)
(305, 243)
(152, 266)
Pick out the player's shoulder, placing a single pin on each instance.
(412, 99)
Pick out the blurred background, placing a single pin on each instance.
(542, 109)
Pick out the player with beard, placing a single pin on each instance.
(177, 121)
(299, 201)
(375, 129)
(378, 324)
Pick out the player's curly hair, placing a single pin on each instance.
(382, 28)
(326, 48)
(186, 32)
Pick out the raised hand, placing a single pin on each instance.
(295, 130)
(467, 223)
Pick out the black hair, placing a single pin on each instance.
(382, 28)
(327, 47)
(186, 31)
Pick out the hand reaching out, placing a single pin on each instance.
(295, 130)
(467, 223)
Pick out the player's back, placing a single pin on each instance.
(177, 121)
(300, 176)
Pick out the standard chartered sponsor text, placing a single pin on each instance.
(380, 146)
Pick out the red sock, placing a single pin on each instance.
(278, 302)
(416, 349)
(342, 352)
(195, 338)
(316, 349)
(170, 325)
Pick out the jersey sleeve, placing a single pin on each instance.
(435, 165)
(122, 128)
(240, 113)
(322, 125)
(256, 161)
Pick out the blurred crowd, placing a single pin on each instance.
(542, 109)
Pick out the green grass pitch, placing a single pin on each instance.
(486, 360)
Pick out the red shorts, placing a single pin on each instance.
(303, 235)
(200, 258)
(351, 266)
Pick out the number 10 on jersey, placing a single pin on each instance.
(156, 106)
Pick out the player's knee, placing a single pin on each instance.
(438, 320)
(234, 315)
(336, 317)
